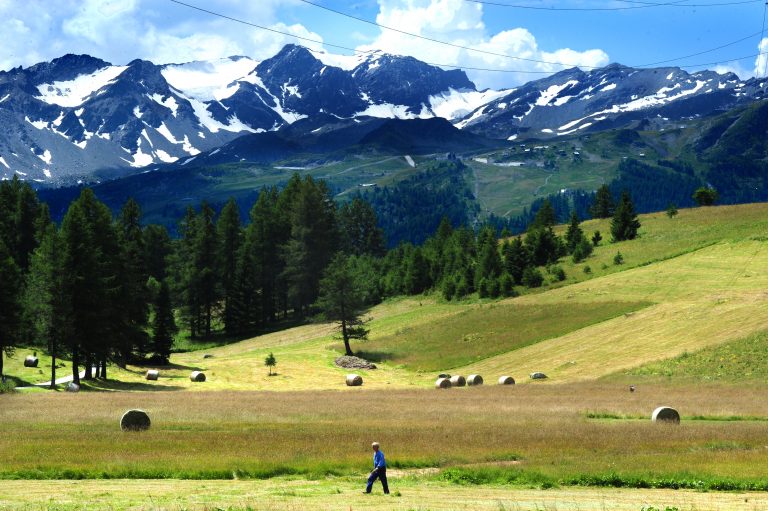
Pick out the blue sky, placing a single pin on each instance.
(163, 31)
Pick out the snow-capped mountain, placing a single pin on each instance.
(78, 116)
(573, 101)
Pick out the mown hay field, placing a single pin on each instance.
(538, 432)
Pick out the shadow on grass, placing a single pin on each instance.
(374, 356)
(142, 368)
(114, 385)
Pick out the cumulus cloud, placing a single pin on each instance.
(122, 30)
(515, 51)
(761, 62)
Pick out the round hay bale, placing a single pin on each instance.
(197, 376)
(354, 380)
(665, 414)
(72, 387)
(538, 376)
(443, 383)
(443, 375)
(474, 379)
(458, 381)
(153, 374)
(31, 361)
(135, 420)
(506, 380)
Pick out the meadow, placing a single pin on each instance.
(683, 318)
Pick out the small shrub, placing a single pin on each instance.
(482, 288)
(672, 211)
(494, 289)
(449, 289)
(597, 238)
(506, 285)
(7, 387)
(532, 277)
(587, 270)
(618, 259)
(583, 250)
(557, 272)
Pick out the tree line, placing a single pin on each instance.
(99, 289)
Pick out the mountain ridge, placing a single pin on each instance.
(79, 118)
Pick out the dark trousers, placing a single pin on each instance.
(379, 473)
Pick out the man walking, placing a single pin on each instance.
(379, 470)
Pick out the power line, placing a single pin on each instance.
(353, 50)
(641, 5)
(438, 41)
(701, 52)
(453, 66)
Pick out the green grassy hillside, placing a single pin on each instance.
(687, 283)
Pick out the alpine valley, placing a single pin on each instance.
(207, 130)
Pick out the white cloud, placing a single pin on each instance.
(122, 30)
(761, 62)
(461, 23)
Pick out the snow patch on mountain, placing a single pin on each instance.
(455, 104)
(390, 111)
(72, 93)
(208, 81)
(553, 91)
(345, 62)
(168, 102)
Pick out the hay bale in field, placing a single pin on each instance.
(458, 381)
(135, 420)
(443, 375)
(665, 414)
(153, 374)
(72, 387)
(474, 379)
(506, 380)
(443, 383)
(354, 380)
(538, 376)
(31, 361)
(197, 376)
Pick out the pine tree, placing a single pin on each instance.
(246, 296)
(157, 251)
(312, 244)
(45, 303)
(341, 301)
(163, 325)
(417, 273)
(205, 276)
(604, 205)
(90, 250)
(545, 216)
(359, 230)
(132, 278)
(489, 261)
(230, 236)
(625, 224)
(574, 235)
(270, 362)
(516, 259)
(10, 304)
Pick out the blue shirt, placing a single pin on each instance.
(378, 460)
